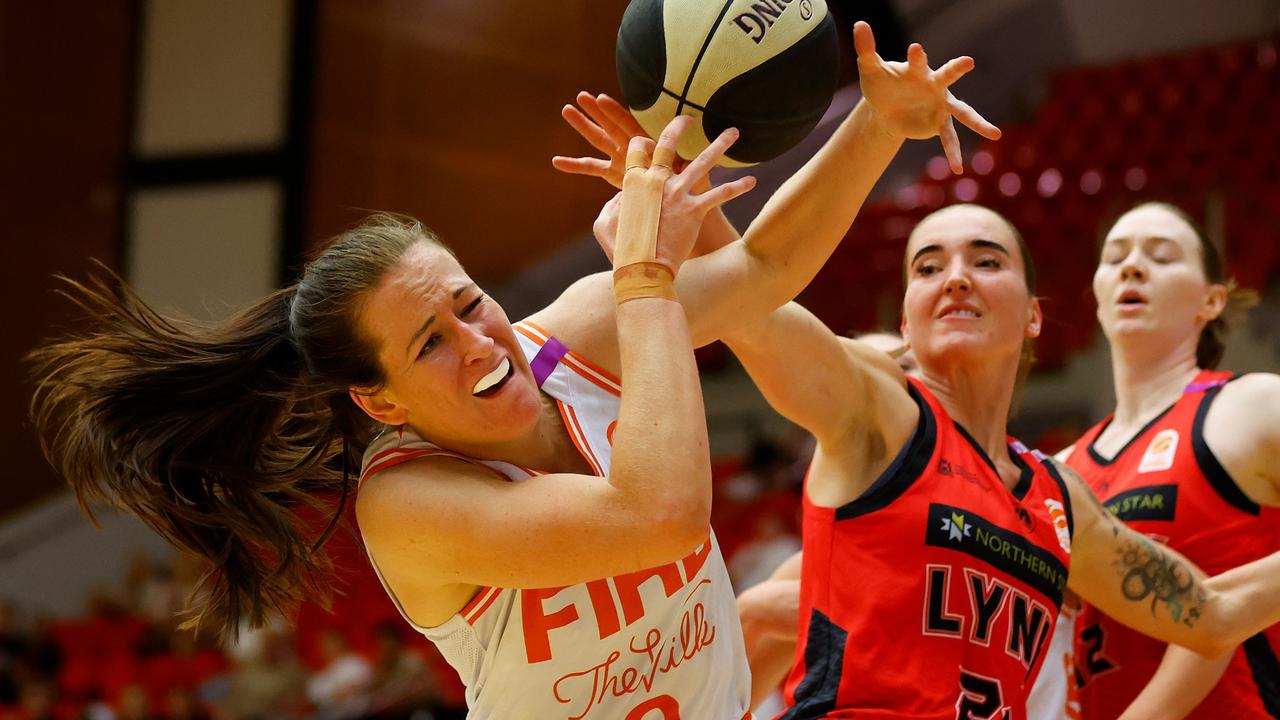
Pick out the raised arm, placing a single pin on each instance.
(1160, 593)
(438, 527)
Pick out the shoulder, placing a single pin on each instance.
(1246, 413)
(1242, 430)
(437, 485)
(1253, 394)
(582, 318)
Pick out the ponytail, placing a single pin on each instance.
(209, 432)
(1212, 344)
(215, 434)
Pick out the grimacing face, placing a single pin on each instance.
(455, 372)
(966, 298)
(1150, 283)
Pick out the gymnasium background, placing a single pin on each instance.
(203, 148)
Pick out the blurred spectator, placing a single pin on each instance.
(38, 701)
(402, 682)
(266, 679)
(133, 703)
(181, 703)
(185, 664)
(150, 591)
(771, 543)
(340, 689)
(42, 655)
(762, 471)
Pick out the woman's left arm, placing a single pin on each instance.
(1157, 591)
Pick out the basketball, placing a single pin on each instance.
(766, 67)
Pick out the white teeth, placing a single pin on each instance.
(963, 313)
(493, 378)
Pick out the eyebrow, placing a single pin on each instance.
(976, 243)
(426, 325)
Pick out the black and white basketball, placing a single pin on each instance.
(766, 67)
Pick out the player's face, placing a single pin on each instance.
(1150, 283)
(966, 298)
(455, 372)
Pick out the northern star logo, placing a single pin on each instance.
(1005, 549)
(956, 528)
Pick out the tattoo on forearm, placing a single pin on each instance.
(1147, 571)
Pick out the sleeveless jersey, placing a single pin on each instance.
(1166, 483)
(657, 644)
(934, 594)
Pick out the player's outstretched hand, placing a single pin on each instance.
(913, 100)
(684, 205)
(608, 127)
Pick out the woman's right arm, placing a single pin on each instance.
(441, 521)
(770, 616)
(1183, 680)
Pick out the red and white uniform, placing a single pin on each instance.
(1166, 483)
(934, 594)
(657, 644)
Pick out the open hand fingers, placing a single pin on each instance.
(594, 167)
(698, 168)
(664, 154)
(639, 150)
(953, 70)
(590, 131)
(971, 119)
(917, 59)
(619, 115)
(722, 194)
(864, 41)
(591, 107)
(951, 146)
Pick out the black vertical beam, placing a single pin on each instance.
(124, 188)
(297, 147)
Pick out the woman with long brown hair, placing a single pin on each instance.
(546, 530)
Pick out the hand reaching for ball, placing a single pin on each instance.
(912, 100)
(608, 127)
(683, 205)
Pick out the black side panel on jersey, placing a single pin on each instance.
(824, 647)
(910, 463)
(1266, 672)
(1208, 462)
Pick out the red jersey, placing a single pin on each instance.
(1166, 483)
(934, 594)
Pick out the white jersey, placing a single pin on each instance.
(658, 644)
(1055, 694)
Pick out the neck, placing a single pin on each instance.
(546, 446)
(1147, 379)
(978, 397)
